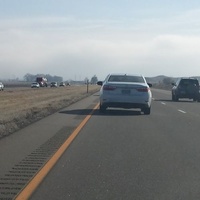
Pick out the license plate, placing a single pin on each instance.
(126, 92)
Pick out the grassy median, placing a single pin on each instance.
(20, 107)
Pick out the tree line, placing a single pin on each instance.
(32, 78)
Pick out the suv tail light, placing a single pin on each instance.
(109, 87)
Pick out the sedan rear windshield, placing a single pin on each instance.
(126, 78)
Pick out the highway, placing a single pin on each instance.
(119, 155)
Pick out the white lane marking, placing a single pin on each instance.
(163, 103)
(182, 111)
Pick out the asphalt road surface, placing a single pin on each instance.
(119, 155)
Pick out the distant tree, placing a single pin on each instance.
(94, 79)
(86, 80)
(29, 77)
(57, 78)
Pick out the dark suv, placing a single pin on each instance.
(186, 88)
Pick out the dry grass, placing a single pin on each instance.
(20, 107)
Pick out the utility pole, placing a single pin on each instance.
(87, 85)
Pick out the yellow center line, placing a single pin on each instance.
(37, 179)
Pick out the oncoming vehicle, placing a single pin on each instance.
(1, 86)
(62, 84)
(42, 81)
(125, 91)
(35, 85)
(186, 88)
(54, 84)
(68, 84)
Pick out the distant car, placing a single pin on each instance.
(186, 88)
(125, 91)
(54, 84)
(62, 84)
(1, 86)
(35, 85)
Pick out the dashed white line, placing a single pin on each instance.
(182, 111)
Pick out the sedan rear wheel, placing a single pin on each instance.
(147, 111)
(102, 108)
(173, 97)
(176, 98)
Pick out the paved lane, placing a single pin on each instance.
(126, 155)
(26, 151)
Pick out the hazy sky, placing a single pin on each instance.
(80, 38)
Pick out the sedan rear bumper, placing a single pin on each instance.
(126, 105)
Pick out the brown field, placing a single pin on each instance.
(22, 106)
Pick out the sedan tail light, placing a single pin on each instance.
(143, 89)
(109, 87)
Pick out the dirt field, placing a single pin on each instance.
(22, 106)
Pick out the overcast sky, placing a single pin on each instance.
(80, 38)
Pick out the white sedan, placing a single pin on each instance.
(125, 91)
(35, 85)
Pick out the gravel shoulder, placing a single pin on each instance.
(20, 107)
